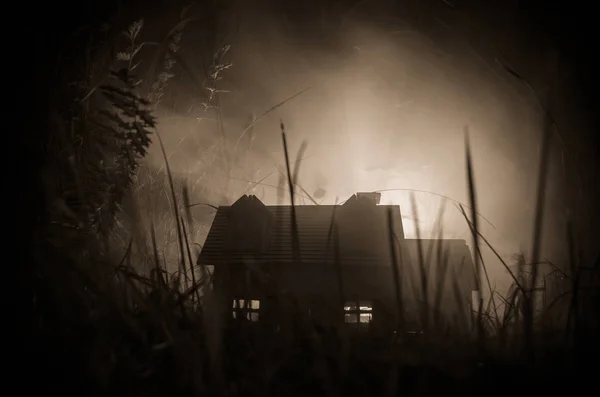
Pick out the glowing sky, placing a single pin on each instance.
(387, 111)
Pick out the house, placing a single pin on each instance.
(334, 261)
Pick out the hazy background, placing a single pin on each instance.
(392, 87)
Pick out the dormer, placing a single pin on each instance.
(373, 197)
(361, 224)
(249, 225)
(360, 206)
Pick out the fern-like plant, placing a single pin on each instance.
(128, 124)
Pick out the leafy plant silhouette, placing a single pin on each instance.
(128, 125)
(98, 146)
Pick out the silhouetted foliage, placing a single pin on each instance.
(128, 129)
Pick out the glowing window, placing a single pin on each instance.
(358, 312)
(248, 308)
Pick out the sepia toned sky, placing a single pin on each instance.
(390, 91)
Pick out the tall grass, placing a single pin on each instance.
(161, 334)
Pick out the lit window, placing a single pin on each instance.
(358, 312)
(247, 308)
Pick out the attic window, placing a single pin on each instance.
(249, 309)
(360, 312)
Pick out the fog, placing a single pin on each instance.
(385, 108)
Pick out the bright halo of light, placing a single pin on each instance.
(402, 199)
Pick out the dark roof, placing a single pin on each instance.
(360, 223)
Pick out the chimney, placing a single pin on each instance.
(375, 197)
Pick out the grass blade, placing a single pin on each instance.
(424, 298)
(537, 228)
(291, 186)
(175, 210)
(396, 271)
(475, 228)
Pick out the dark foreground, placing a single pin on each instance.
(121, 334)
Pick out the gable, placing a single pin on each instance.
(248, 226)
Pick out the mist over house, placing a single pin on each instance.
(336, 262)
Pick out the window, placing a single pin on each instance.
(249, 309)
(358, 312)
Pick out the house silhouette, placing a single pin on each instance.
(335, 262)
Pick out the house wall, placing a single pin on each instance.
(307, 281)
(321, 288)
(448, 265)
